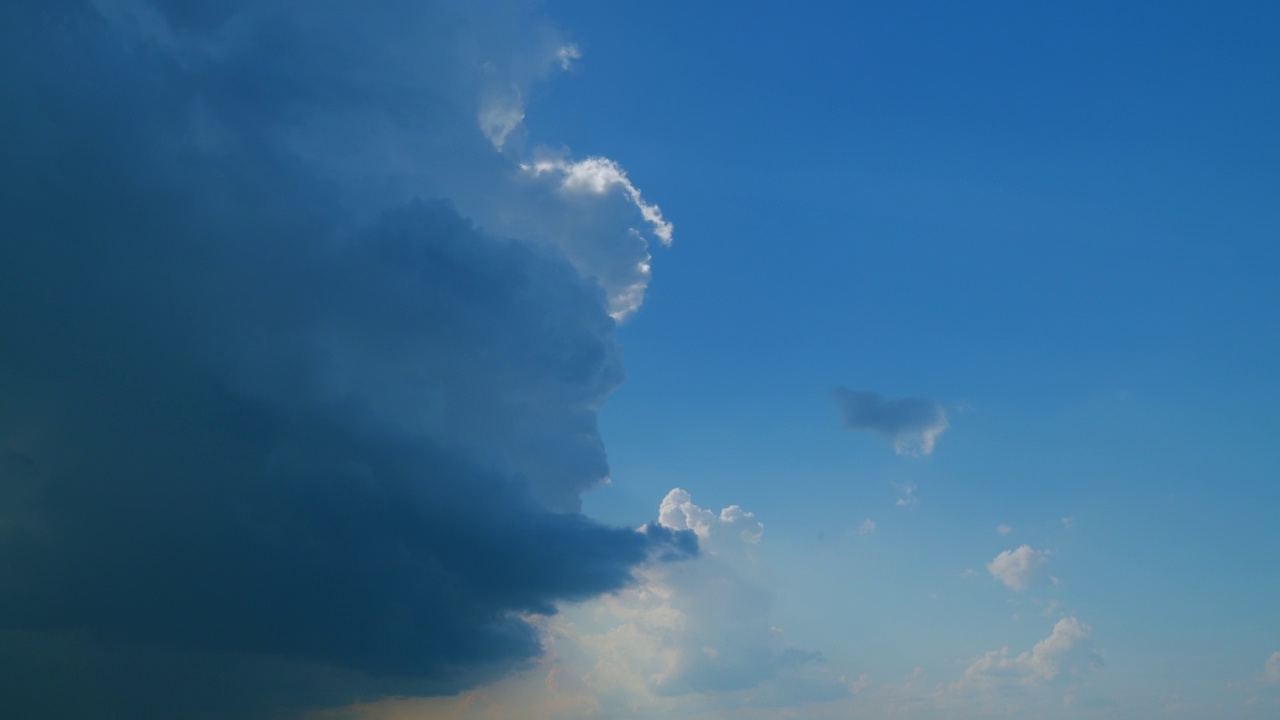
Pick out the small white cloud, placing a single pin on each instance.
(1017, 569)
(968, 573)
(867, 527)
(678, 512)
(1004, 529)
(908, 497)
(749, 529)
(1068, 522)
(1271, 672)
(567, 54)
(501, 112)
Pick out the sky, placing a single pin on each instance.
(560, 360)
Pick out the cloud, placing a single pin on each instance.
(912, 424)
(689, 639)
(1018, 569)
(1066, 652)
(283, 428)
(1004, 529)
(868, 527)
(1271, 671)
(908, 497)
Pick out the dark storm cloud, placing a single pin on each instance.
(911, 424)
(267, 442)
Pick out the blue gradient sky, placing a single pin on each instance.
(1058, 220)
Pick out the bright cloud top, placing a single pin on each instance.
(678, 512)
(911, 424)
(1019, 568)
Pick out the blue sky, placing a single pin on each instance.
(639, 360)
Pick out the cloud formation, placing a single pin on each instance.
(1018, 569)
(283, 428)
(690, 639)
(912, 425)
(1065, 652)
(1271, 672)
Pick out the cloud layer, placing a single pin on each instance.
(911, 424)
(282, 427)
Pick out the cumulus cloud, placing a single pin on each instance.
(912, 424)
(282, 427)
(1066, 652)
(1019, 568)
(688, 639)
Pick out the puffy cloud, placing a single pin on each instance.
(868, 527)
(1018, 569)
(678, 512)
(277, 431)
(1065, 652)
(911, 424)
(1004, 529)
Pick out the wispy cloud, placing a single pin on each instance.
(906, 495)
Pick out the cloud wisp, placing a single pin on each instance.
(912, 425)
(295, 414)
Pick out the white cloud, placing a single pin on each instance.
(908, 497)
(1066, 651)
(1004, 529)
(1271, 673)
(500, 114)
(598, 176)
(867, 527)
(567, 54)
(1017, 569)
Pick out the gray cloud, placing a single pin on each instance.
(911, 424)
(275, 433)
